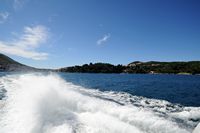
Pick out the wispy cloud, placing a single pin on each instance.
(3, 17)
(17, 4)
(103, 39)
(52, 17)
(25, 45)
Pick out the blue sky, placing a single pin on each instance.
(59, 33)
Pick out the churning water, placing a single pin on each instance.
(46, 103)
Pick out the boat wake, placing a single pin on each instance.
(45, 103)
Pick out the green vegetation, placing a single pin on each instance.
(192, 67)
(8, 64)
(6, 60)
(95, 68)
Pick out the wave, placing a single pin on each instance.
(45, 103)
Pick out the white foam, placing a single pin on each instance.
(39, 103)
(197, 129)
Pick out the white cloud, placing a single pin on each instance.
(3, 17)
(103, 39)
(25, 45)
(33, 36)
(17, 4)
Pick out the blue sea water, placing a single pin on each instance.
(181, 89)
(99, 103)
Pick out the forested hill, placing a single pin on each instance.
(191, 67)
(8, 64)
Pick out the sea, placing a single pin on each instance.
(53, 102)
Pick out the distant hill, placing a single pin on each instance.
(8, 64)
(94, 68)
(191, 67)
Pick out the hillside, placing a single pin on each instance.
(8, 64)
(191, 67)
(94, 68)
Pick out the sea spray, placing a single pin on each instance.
(45, 103)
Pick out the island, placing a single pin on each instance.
(150, 67)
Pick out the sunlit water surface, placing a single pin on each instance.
(98, 103)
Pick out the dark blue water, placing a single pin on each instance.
(181, 89)
(54, 103)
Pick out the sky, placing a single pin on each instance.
(60, 33)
